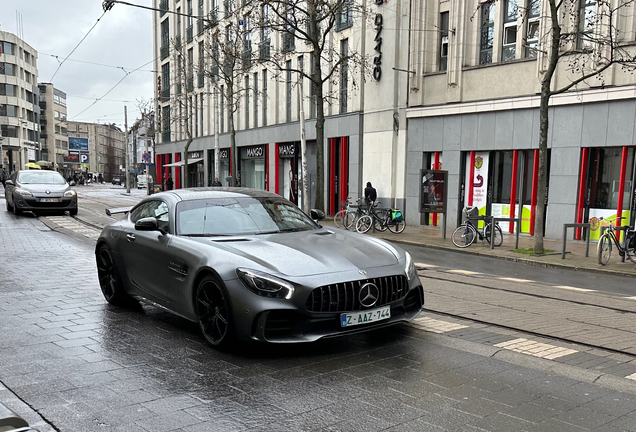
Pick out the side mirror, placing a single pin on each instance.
(9, 182)
(147, 224)
(317, 215)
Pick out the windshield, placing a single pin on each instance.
(41, 177)
(240, 216)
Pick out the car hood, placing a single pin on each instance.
(313, 252)
(38, 189)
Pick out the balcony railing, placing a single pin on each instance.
(201, 79)
(264, 50)
(289, 42)
(164, 50)
(163, 7)
(189, 34)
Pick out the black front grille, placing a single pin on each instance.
(63, 203)
(345, 296)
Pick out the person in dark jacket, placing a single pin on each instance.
(169, 183)
(370, 194)
(216, 183)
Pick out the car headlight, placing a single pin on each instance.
(23, 192)
(409, 268)
(265, 284)
(70, 193)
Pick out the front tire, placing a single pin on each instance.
(397, 226)
(16, 211)
(498, 234)
(109, 278)
(213, 310)
(604, 249)
(73, 212)
(364, 224)
(339, 217)
(464, 236)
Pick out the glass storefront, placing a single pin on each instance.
(253, 167)
(224, 167)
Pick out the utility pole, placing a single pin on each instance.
(127, 157)
(303, 148)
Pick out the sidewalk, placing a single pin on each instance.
(574, 259)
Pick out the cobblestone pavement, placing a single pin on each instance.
(73, 363)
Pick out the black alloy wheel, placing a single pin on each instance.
(213, 309)
(109, 279)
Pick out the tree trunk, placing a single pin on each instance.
(543, 127)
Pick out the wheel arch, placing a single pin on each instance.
(198, 277)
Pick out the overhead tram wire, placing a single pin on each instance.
(91, 63)
(77, 46)
(113, 88)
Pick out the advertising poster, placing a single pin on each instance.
(596, 223)
(503, 210)
(480, 181)
(78, 144)
(433, 191)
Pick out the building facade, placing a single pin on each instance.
(141, 141)
(19, 108)
(96, 148)
(53, 126)
(365, 106)
(473, 111)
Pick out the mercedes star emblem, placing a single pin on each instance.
(369, 294)
(48, 192)
(362, 272)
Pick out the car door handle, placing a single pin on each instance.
(130, 237)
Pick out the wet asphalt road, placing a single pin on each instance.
(84, 365)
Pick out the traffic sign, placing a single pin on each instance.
(146, 157)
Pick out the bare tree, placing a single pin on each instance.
(581, 40)
(313, 22)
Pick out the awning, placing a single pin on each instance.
(182, 163)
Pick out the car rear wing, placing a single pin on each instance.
(117, 210)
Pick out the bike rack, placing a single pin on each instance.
(517, 222)
(587, 237)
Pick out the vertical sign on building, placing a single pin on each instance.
(480, 181)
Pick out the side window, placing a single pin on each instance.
(161, 213)
(156, 209)
(138, 212)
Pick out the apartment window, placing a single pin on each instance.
(344, 75)
(264, 97)
(58, 144)
(265, 28)
(194, 114)
(7, 69)
(165, 80)
(487, 32)
(9, 131)
(587, 21)
(443, 47)
(165, 115)
(177, 23)
(532, 33)
(60, 100)
(189, 18)
(201, 72)
(165, 33)
(345, 16)
(247, 101)
(56, 114)
(222, 110)
(64, 145)
(201, 113)
(7, 48)
(7, 90)
(255, 95)
(8, 110)
(288, 92)
(509, 48)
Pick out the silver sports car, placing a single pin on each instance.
(249, 264)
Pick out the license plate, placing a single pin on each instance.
(49, 200)
(357, 318)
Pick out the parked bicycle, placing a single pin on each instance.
(381, 219)
(348, 217)
(604, 247)
(466, 234)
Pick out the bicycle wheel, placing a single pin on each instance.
(498, 235)
(350, 220)
(464, 236)
(604, 249)
(364, 224)
(382, 219)
(397, 226)
(338, 218)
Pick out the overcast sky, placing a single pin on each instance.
(122, 38)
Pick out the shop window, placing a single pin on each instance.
(604, 177)
(509, 49)
(532, 33)
(443, 49)
(501, 176)
(487, 32)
